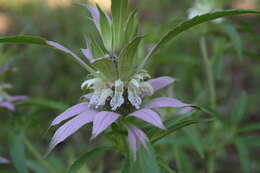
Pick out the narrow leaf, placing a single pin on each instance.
(119, 16)
(17, 152)
(195, 140)
(176, 127)
(189, 24)
(243, 155)
(249, 127)
(131, 26)
(239, 109)
(75, 167)
(105, 29)
(107, 68)
(146, 161)
(45, 103)
(128, 58)
(235, 38)
(24, 39)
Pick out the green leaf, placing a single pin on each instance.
(176, 127)
(249, 127)
(17, 152)
(243, 153)
(24, 39)
(145, 161)
(105, 29)
(107, 68)
(75, 167)
(94, 35)
(233, 34)
(40, 102)
(164, 166)
(239, 109)
(131, 26)
(119, 10)
(194, 138)
(189, 24)
(128, 58)
(44, 42)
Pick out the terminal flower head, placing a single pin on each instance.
(118, 88)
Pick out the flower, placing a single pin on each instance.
(118, 86)
(7, 101)
(83, 113)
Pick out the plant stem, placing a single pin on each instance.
(212, 93)
(209, 72)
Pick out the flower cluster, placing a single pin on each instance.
(117, 87)
(7, 101)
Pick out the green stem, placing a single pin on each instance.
(209, 72)
(212, 93)
(39, 157)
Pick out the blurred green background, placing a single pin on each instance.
(233, 47)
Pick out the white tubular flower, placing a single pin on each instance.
(146, 89)
(118, 99)
(95, 98)
(91, 82)
(105, 93)
(133, 93)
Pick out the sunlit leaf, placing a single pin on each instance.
(189, 24)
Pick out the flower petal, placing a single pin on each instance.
(161, 82)
(166, 102)
(136, 137)
(102, 121)
(72, 111)
(3, 160)
(71, 127)
(149, 116)
(7, 105)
